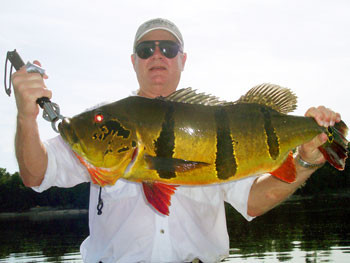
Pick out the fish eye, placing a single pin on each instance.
(98, 118)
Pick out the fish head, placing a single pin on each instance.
(101, 137)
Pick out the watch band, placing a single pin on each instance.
(306, 164)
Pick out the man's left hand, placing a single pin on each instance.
(324, 117)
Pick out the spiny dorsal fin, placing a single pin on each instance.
(190, 96)
(276, 97)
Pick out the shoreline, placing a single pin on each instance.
(48, 213)
(43, 213)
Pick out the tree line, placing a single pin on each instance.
(15, 197)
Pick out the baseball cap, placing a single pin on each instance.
(158, 23)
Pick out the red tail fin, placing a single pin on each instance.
(335, 150)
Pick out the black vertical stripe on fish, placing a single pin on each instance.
(272, 139)
(165, 143)
(226, 165)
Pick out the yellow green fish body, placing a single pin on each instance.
(220, 143)
(192, 139)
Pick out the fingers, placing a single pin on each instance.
(316, 142)
(32, 92)
(28, 87)
(36, 62)
(324, 117)
(23, 80)
(309, 151)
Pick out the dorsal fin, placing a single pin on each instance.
(276, 97)
(190, 96)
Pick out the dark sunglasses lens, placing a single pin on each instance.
(145, 50)
(169, 49)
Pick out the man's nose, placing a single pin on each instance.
(157, 53)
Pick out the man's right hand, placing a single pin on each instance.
(28, 87)
(30, 151)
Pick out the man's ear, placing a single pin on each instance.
(133, 60)
(184, 57)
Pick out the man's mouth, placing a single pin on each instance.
(156, 68)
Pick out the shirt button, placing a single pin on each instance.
(162, 231)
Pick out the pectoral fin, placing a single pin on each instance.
(286, 172)
(159, 195)
(172, 164)
(99, 176)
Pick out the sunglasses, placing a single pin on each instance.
(168, 48)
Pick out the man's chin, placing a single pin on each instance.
(160, 90)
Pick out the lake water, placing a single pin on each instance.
(313, 229)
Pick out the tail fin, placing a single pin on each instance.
(335, 150)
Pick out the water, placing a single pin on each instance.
(43, 237)
(300, 230)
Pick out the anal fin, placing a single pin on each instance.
(159, 195)
(286, 172)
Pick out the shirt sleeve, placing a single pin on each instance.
(237, 193)
(63, 168)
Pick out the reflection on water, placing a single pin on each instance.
(43, 237)
(338, 255)
(40, 257)
(300, 230)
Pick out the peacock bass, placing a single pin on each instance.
(195, 139)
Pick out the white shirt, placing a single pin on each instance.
(130, 230)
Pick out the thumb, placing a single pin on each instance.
(309, 151)
(37, 62)
(318, 140)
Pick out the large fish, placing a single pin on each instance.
(194, 139)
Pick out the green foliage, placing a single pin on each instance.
(327, 179)
(14, 196)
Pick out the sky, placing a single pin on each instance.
(231, 46)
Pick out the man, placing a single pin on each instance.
(129, 230)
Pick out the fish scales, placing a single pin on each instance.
(190, 132)
(193, 137)
(165, 141)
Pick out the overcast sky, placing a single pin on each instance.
(232, 45)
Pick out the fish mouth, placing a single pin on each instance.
(67, 132)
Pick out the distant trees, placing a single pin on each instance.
(14, 196)
(327, 179)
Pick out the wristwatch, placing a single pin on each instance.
(306, 164)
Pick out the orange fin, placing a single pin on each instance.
(99, 176)
(159, 195)
(286, 172)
